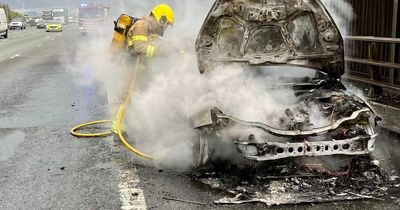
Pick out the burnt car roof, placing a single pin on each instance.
(262, 32)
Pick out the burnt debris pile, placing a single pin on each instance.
(280, 183)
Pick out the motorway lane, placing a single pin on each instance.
(25, 42)
(43, 167)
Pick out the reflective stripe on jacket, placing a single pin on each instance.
(138, 37)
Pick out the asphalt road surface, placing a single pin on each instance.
(43, 167)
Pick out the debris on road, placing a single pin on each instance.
(248, 185)
(185, 201)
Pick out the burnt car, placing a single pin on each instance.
(300, 34)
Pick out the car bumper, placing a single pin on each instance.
(360, 145)
(254, 140)
(53, 29)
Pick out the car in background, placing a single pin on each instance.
(41, 24)
(31, 22)
(54, 26)
(17, 23)
(3, 23)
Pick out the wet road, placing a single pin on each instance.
(43, 167)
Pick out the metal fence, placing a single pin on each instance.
(372, 57)
(373, 73)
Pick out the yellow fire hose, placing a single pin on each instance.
(118, 122)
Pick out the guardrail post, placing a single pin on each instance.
(393, 46)
(373, 55)
(374, 72)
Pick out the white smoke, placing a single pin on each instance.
(158, 119)
(342, 12)
(161, 112)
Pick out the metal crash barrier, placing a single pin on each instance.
(373, 76)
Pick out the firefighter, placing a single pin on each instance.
(143, 40)
(144, 36)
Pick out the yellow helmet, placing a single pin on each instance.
(164, 14)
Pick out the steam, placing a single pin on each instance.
(158, 120)
(161, 113)
(342, 12)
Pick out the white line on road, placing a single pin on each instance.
(17, 55)
(131, 195)
(38, 45)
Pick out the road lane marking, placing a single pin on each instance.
(38, 45)
(132, 197)
(17, 55)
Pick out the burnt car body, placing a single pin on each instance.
(261, 33)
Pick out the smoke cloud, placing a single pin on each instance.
(161, 113)
(342, 12)
(158, 120)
